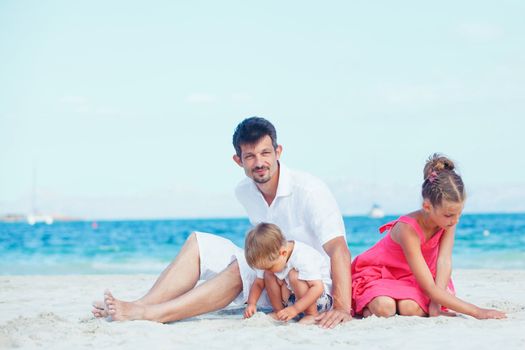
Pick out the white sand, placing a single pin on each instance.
(54, 312)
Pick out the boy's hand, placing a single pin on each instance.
(287, 313)
(250, 310)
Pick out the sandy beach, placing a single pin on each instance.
(54, 312)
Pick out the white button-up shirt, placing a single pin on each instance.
(303, 208)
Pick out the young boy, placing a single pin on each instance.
(296, 276)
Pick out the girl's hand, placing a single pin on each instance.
(484, 314)
(287, 313)
(250, 310)
(434, 309)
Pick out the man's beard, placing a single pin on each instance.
(262, 180)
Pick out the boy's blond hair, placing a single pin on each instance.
(262, 244)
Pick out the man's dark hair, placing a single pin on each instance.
(251, 130)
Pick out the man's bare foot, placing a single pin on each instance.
(99, 309)
(122, 310)
(308, 319)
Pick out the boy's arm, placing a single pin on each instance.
(253, 297)
(255, 291)
(311, 296)
(315, 290)
(340, 260)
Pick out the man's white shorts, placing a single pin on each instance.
(216, 253)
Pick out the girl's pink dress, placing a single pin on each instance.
(383, 270)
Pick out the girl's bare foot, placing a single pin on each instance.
(366, 312)
(122, 310)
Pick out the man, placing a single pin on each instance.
(301, 205)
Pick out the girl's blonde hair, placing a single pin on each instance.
(262, 244)
(441, 182)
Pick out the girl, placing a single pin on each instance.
(408, 271)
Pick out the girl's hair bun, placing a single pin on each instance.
(436, 163)
(441, 182)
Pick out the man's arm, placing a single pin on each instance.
(340, 260)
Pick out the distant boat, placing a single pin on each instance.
(33, 219)
(12, 218)
(376, 212)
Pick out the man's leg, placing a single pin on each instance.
(211, 295)
(178, 278)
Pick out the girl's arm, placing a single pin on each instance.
(410, 243)
(253, 297)
(444, 267)
(315, 290)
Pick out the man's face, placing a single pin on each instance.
(259, 160)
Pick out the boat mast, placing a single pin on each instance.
(33, 195)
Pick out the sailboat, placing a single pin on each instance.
(34, 217)
(376, 212)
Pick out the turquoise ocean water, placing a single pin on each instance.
(490, 241)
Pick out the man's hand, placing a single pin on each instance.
(340, 260)
(250, 310)
(287, 313)
(332, 318)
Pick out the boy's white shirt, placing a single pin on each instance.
(310, 265)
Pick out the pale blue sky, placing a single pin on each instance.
(127, 108)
